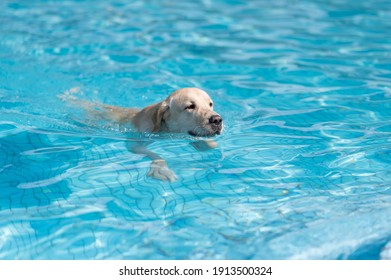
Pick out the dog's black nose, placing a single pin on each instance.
(215, 120)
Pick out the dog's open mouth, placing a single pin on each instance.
(205, 133)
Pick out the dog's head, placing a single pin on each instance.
(188, 110)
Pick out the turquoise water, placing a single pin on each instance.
(303, 167)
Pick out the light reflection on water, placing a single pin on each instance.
(301, 170)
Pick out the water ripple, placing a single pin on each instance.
(300, 172)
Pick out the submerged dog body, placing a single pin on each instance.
(187, 110)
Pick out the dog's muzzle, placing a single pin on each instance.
(216, 126)
(216, 123)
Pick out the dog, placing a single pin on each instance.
(187, 110)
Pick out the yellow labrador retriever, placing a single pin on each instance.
(187, 110)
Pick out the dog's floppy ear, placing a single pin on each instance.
(151, 117)
(158, 116)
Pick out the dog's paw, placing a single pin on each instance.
(204, 145)
(159, 170)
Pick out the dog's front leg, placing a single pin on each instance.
(159, 168)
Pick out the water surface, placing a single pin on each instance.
(302, 170)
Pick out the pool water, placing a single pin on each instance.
(301, 171)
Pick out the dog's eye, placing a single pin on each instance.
(190, 107)
(211, 104)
